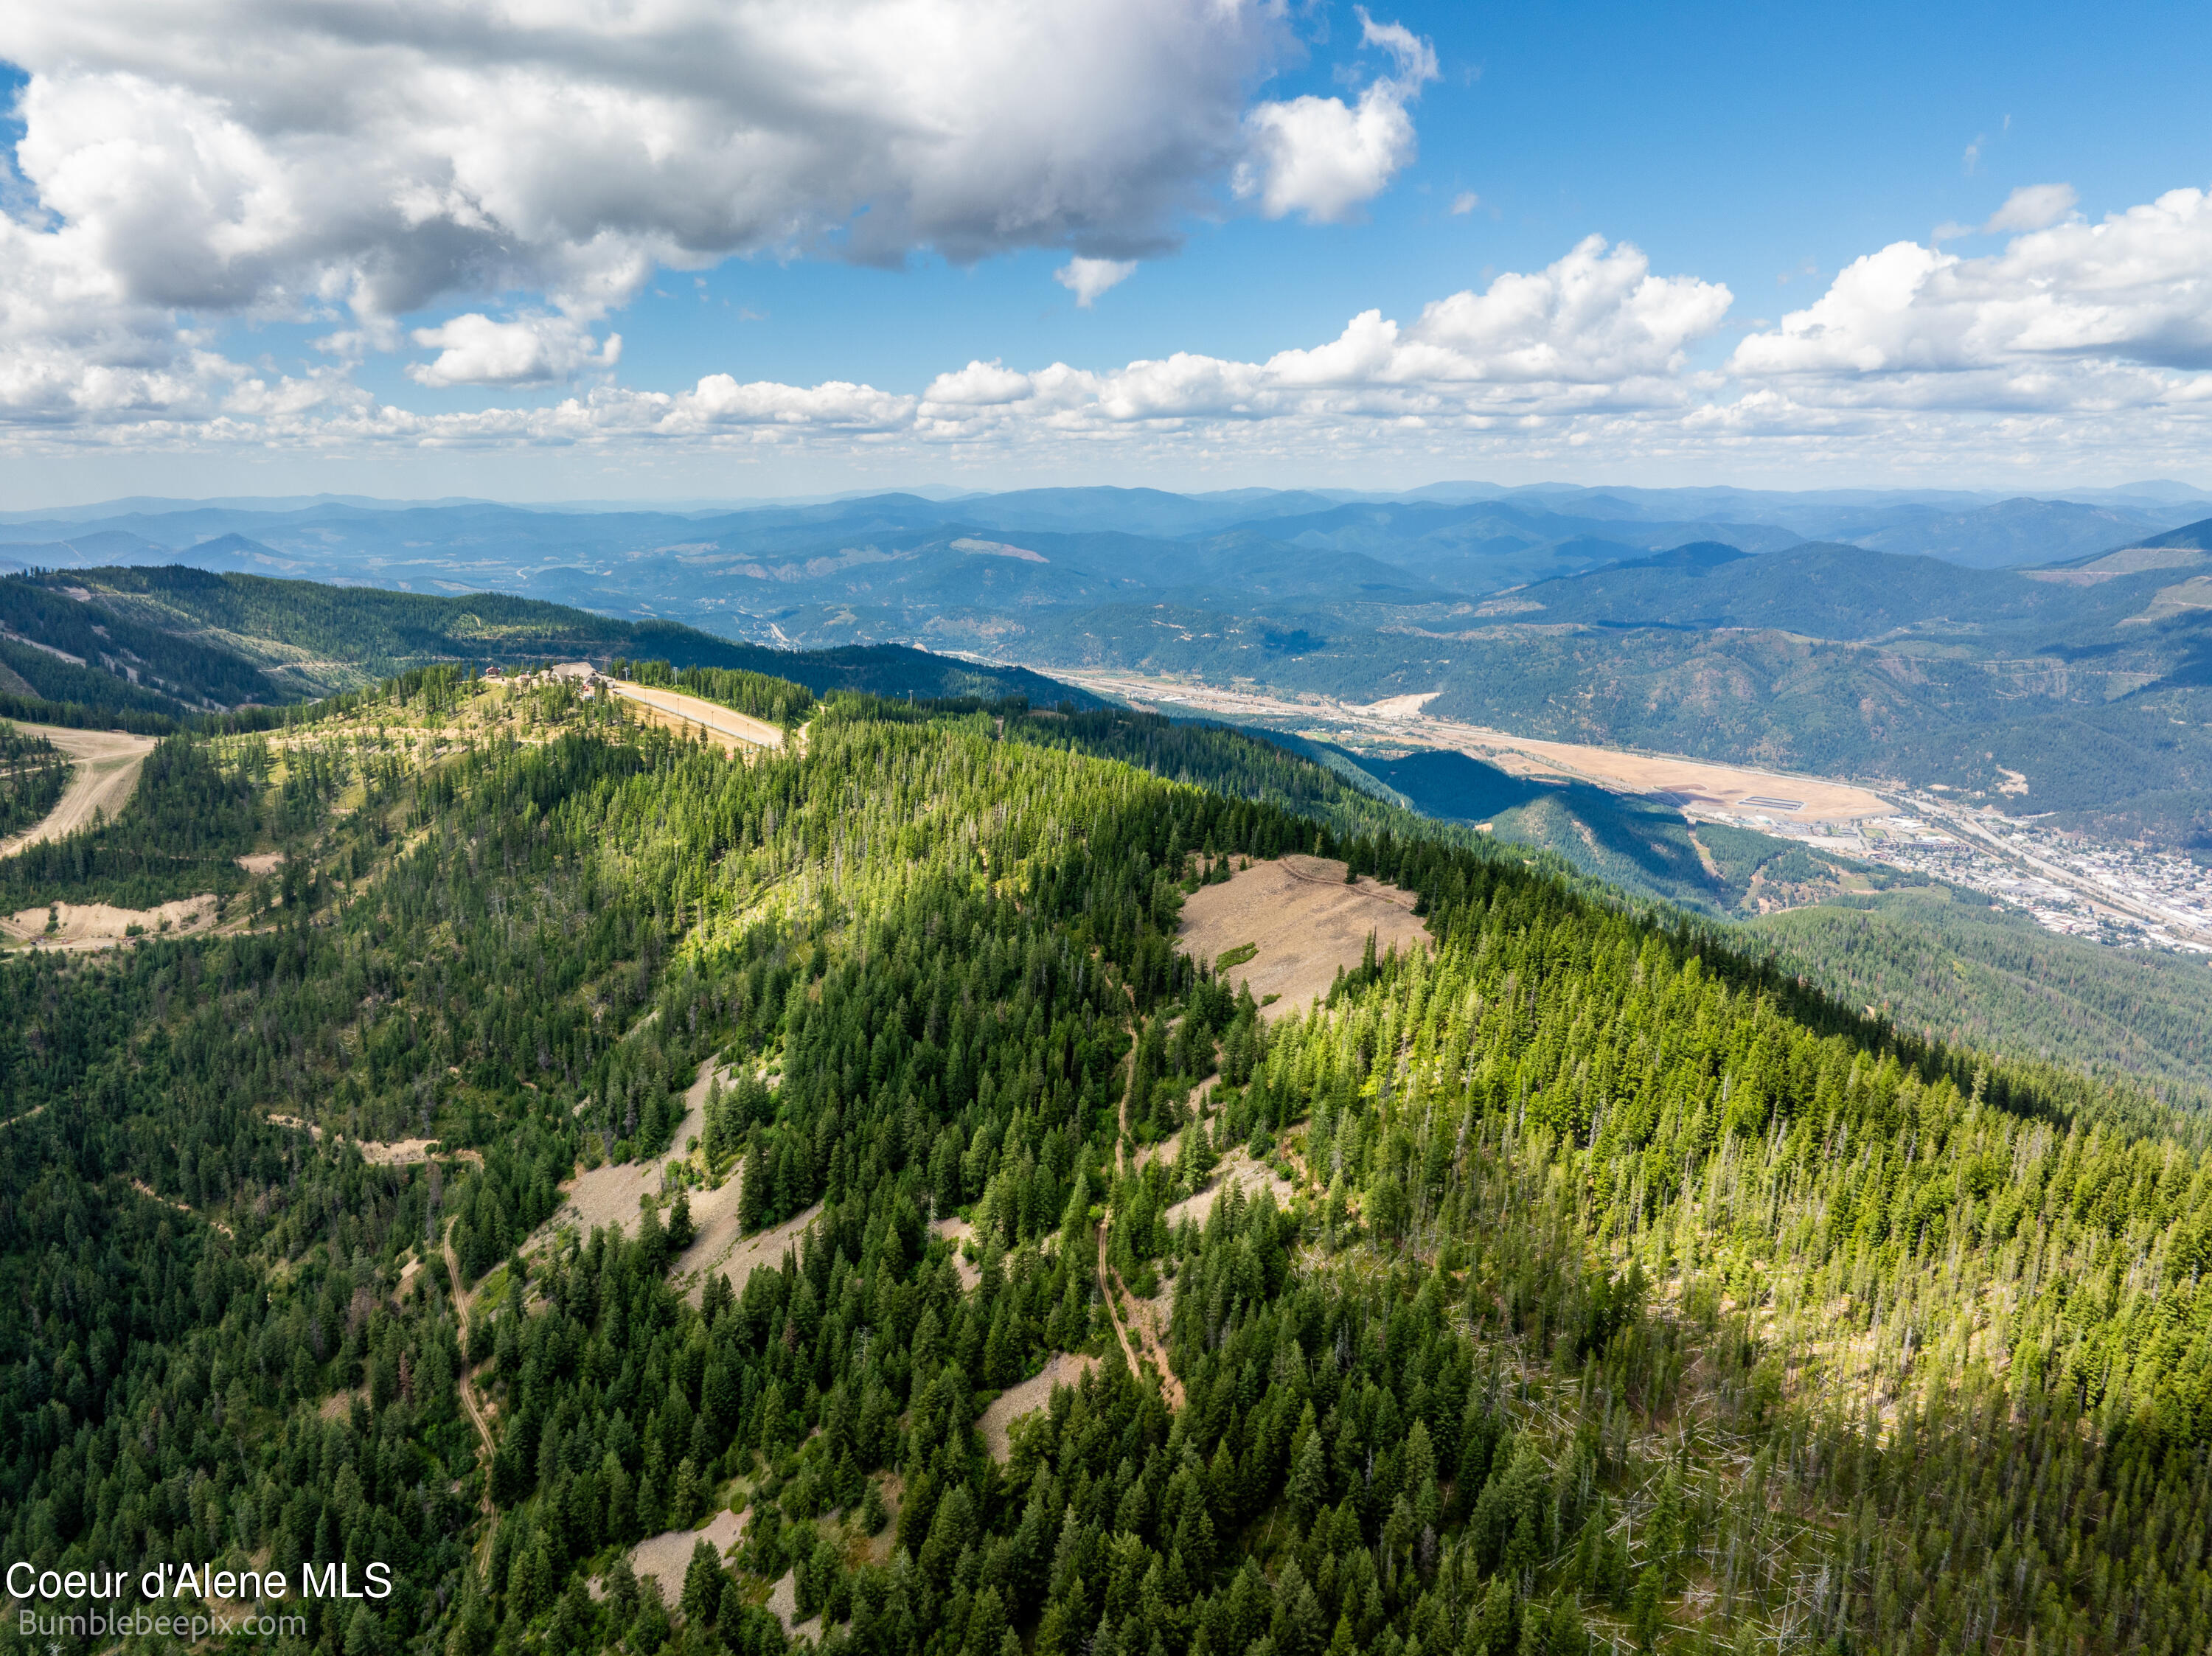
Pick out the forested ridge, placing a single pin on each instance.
(32, 772)
(144, 648)
(1613, 1290)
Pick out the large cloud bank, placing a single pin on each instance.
(269, 160)
(180, 174)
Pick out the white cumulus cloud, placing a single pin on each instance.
(1322, 158)
(530, 350)
(2081, 345)
(243, 152)
(1594, 329)
(2058, 308)
(178, 167)
(1087, 278)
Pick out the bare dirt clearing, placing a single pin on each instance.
(104, 772)
(783, 1604)
(1027, 1397)
(100, 926)
(1238, 1170)
(408, 1152)
(1402, 706)
(665, 1556)
(958, 1231)
(339, 1404)
(608, 1195)
(1305, 921)
(722, 726)
(720, 1251)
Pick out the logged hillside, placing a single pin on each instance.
(1607, 1288)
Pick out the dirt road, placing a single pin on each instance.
(1145, 1346)
(468, 1401)
(1106, 1287)
(104, 771)
(712, 717)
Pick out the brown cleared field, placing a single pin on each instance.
(1694, 782)
(1238, 1171)
(725, 728)
(667, 1556)
(608, 1195)
(722, 1249)
(1305, 921)
(104, 771)
(102, 925)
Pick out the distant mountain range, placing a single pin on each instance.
(1929, 637)
(1469, 538)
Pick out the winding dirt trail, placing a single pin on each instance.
(1113, 1298)
(476, 1415)
(1144, 1348)
(104, 773)
(1109, 1284)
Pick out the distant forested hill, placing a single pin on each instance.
(1945, 962)
(2111, 725)
(177, 640)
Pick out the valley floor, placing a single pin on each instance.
(2110, 892)
(1731, 792)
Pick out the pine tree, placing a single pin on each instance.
(1308, 1485)
(752, 1191)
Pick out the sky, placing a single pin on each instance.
(733, 248)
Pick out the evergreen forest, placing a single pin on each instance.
(1583, 1281)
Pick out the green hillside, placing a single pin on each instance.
(1945, 962)
(1933, 959)
(116, 658)
(31, 775)
(1614, 1289)
(1936, 960)
(198, 640)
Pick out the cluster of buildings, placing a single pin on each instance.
(2128, 895)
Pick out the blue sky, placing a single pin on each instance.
(272, 339)
(1742, 143)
